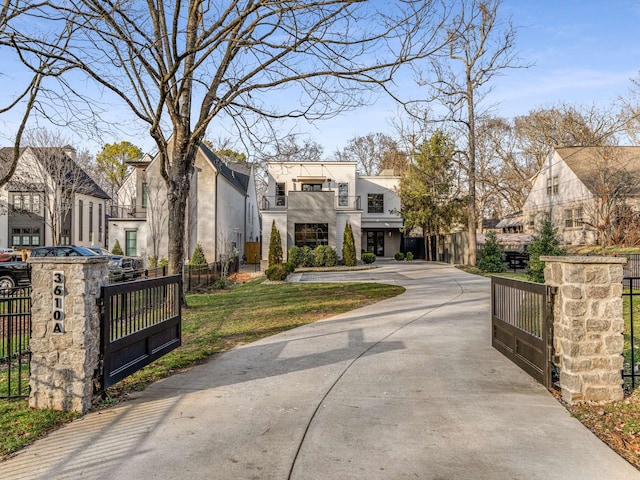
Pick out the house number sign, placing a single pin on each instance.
(58, 302)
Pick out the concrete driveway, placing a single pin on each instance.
(406, 388)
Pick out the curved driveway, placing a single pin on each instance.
(406, 388)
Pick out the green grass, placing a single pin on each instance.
(212, 323)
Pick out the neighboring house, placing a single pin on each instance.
(579, 188)
(222, 209)
(50, 200)
(510, 223)
(311, 203)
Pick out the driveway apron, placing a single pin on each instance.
(407, 388)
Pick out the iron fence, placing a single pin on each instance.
(15, 331)
(631, 305)
(197, 277)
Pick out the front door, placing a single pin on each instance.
(375, 242)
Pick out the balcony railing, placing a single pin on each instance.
(281, 202)
(127, 211)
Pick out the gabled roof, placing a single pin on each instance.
(57, 159)
(240, 180)
(588, 162)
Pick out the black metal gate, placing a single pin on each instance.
(141, 322)
(15, 332)
(522, 323)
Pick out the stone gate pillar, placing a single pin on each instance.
(65, 335)
(588, 326)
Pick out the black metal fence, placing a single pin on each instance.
(15, 331)
(631, 307)
(196, 277)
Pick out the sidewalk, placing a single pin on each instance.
(406, 388)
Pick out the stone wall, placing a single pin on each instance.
(65, 346)
(588, 326)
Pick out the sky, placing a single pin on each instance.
(580, 52)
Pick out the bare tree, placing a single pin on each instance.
(374, 152)
(181, 65)
(478, 51)
(157, 217)
(566, 125)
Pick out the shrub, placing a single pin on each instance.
(399, 256)
(117, 249)
(153, 262)
(319, 256)
(198, 258)
(278, 272)
(491, 254)
(545, 242)
(368, 257)
(348, 247)
(307, 256)
(409, 256)
(330, 257)
(294, 256)
(163, 262)
(275, 246)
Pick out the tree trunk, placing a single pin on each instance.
(471, 205)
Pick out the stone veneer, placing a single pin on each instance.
(588, 326)
(63, 364)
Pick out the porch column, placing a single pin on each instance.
(588, 326)
(65, 337)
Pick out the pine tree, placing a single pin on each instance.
(546, 242)
(490, 255)
(198, 258)
(275, 246)
(117, 249)
(348, 247)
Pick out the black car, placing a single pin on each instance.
(14, 274)
(62, 251)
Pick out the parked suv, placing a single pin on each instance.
(125, 268)
(14, 274)
(62, 251)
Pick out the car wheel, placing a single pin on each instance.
(7, 283)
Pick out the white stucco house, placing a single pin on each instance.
(566, 188)
(222, 209)
(50, 200)
(311, 203)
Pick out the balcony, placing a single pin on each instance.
(127, 212)
(282, 202)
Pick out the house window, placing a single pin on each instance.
(552, 186)
(99, 222)
(280, 194)
(91, 221)
(375, 203)
(311, 234)
(311, 187)
(80, 220)
(131, 243)
(25, 237)
(26, 202)
(573, 217)
(343, 194)
(145, 195)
